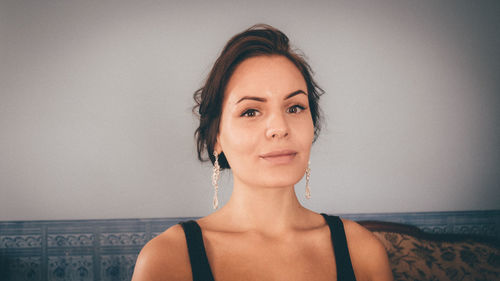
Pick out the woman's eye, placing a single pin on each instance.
(249, 113)
(295, 109)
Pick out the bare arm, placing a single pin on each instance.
(378, 266)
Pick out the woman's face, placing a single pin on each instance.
(266, 130)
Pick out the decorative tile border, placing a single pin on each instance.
(20, 241)
(129, 238)
(104, 250)
(70, 240)
(464, 222)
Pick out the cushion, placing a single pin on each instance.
(416, 258)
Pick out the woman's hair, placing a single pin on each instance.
(258, 40)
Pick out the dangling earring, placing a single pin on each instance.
(308, 176)
(215, 179)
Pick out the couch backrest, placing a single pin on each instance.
(415, 255)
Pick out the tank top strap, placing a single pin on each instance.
(197, 254)
(345, 271)
(200, 266)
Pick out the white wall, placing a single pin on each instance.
(95, 100)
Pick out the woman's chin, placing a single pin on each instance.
(283, 180)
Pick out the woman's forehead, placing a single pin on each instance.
(264, 76)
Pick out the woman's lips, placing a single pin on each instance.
(279, 157)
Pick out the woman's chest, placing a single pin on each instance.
(251, 258)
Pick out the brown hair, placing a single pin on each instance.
(258, 40)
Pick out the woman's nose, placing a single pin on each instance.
(277, 127)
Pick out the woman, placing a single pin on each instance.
(259, 116)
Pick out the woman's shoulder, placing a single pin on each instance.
(361, 238)
(164, 257)
(368, 255)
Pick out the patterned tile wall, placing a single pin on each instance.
(106, 250)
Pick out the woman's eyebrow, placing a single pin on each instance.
(251, 98)
(264, 99)
(295, 93)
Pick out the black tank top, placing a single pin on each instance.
(201, 268)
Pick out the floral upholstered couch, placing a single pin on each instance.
(417, 255)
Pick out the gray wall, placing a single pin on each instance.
(95, 100)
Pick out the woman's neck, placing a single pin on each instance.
(267, 210)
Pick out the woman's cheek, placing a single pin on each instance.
(245, 139)
(240, 135)
(305, 130)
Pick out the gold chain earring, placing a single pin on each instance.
(215, 179)
(308, 176)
